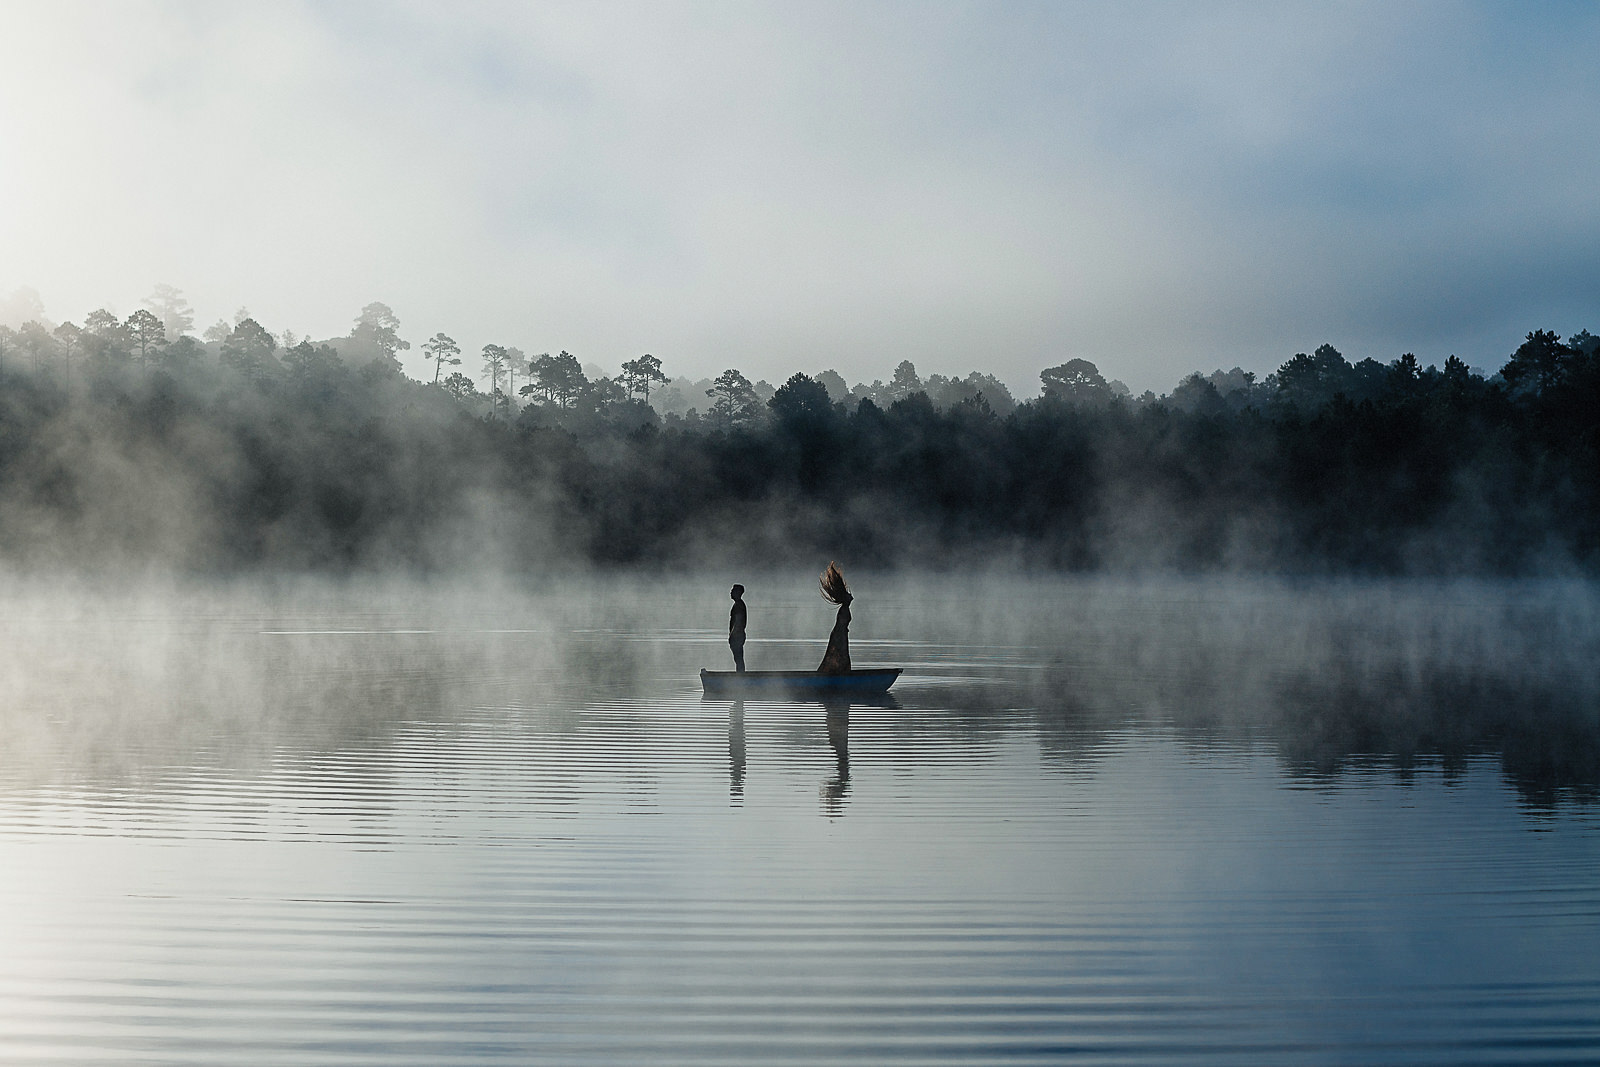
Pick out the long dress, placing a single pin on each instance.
(837, 659)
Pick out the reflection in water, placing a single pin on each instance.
(1335, 677)
(836, 789)
(1381, 708)
(736, 752)
(1081, 830)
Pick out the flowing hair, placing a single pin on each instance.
(832, 582)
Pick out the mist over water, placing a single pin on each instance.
(1110, 820)
(351, 705)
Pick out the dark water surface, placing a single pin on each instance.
(1100, 822)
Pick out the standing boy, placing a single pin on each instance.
(736, 618)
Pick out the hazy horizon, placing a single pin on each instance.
(1157, 189)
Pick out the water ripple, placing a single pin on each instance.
(412, 840)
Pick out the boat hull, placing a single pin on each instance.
(874, 680)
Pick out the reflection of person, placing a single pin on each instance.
(837, 659)
(736, 620)
(736, 753)
(835, 789)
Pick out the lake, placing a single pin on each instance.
(1098, 821)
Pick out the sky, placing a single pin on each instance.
(1157, 188)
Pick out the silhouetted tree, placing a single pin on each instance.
(104, 336)
(536, 389)
(1311, 381)
(443, 350)
(1077, 381)
(494, 365)
(145, 332)
(570, 381)
(905, 381)
(68, 344)
(1538, 364)
(378, 327)
(460, 386)
(559, 379)
(639, 374)
(801, 401)
(736, 401)
(248, 349)
(603, 391)
(831, 380)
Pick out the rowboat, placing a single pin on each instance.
(872, 680)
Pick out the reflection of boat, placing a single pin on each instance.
(875, 680)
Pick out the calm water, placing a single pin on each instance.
(1099, 822)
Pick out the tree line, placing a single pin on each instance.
(129, 441)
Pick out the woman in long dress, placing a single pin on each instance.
(837, 659)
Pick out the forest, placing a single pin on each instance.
(132, 443)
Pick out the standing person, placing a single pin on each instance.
(837, 659)
(736, 621)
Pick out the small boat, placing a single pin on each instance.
(871, 680)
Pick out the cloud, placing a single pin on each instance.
(1000, 187)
